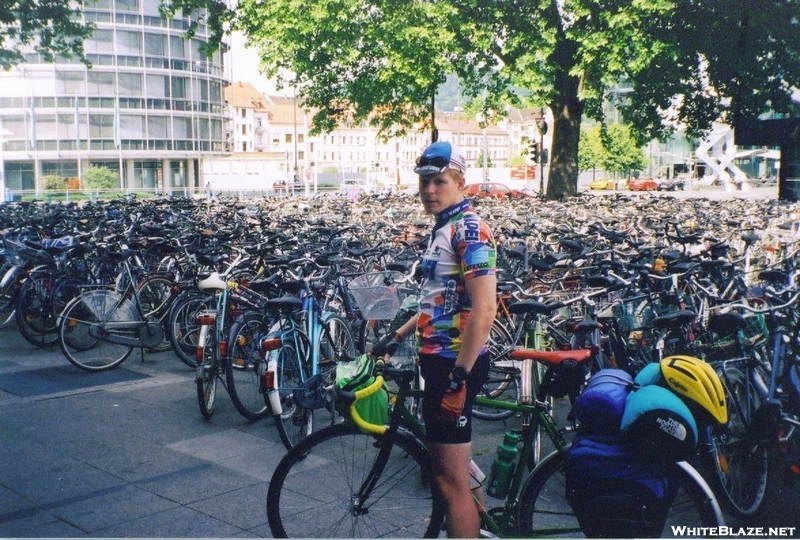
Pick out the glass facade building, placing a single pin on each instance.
(151, 107)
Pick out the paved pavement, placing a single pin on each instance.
(127, 453)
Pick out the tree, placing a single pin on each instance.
(590, 151)
(621, 152)
(50, 27)
(382, 62)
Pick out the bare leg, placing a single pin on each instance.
(451, 473)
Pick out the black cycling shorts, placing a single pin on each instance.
(436, 371)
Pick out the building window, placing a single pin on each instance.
(70, 82)
(101, 42)
(101, 83)
(130, 84)
(129, 43)
(155, 44)
(127, 5)
(244, 113)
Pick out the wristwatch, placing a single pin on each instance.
(459, 373)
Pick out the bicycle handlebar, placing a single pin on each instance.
(354, 397)
(756, 310)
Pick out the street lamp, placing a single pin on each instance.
(542, 125)
(3, 134)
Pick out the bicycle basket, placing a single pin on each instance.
(632, 314)
(376, 295)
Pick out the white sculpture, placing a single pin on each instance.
(720, 158)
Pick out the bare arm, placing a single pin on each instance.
(483, 296)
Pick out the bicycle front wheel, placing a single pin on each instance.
(294, 423)
(182, 327)
(740, 462)
(92, 327)
(206, 377)
(545, 512)
(400, 502)
(243, 366)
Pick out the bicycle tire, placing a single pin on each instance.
(183, 329)
(336, 345)
(244, 364)
(503, 382)
(35, 319)
(293, 422)
(739, 463)
(401, 504)
(206, 376)
(82, 326)
(154, 293)
(545, 512)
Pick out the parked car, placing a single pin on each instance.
(671, 184)
(355, 185)
(603, 183)
(493, 189)
(642, 184)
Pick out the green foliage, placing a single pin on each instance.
(53, 182)
(479, 161)
(621, 150)
(52, 27)
(101, 178)
(590, 150)
(683, 62)
(611, 149)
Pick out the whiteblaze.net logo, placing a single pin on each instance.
(744, 532)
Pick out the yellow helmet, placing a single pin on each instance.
(698, 382)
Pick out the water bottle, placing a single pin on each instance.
(503, 466)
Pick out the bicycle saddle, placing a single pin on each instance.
(552, 358)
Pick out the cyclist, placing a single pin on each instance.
(456, 308)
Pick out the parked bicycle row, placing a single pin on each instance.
(630, 289)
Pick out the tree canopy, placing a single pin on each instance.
(50, 27)
(681, 63)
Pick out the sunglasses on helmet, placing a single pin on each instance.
(435, 165)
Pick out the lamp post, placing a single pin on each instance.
(3, 134)
(541, 124)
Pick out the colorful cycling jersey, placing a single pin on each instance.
(461, 248)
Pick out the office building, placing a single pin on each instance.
(151, 107)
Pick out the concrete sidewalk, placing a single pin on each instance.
(126, 453)
(124, 456)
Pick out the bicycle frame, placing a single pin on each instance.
(500, 520)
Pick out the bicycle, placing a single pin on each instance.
(378, 478)
(754, 357)
(301, 349)
(99, 328)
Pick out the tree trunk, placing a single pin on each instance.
(567, 109)
(563, 178)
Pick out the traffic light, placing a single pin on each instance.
(533, 152)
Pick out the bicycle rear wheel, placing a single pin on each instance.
(154, 294)
(244, 364)
(545, 512)
(502, 384)
(35, 318)
(739, 461)
(90, 323)
(400, 503)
